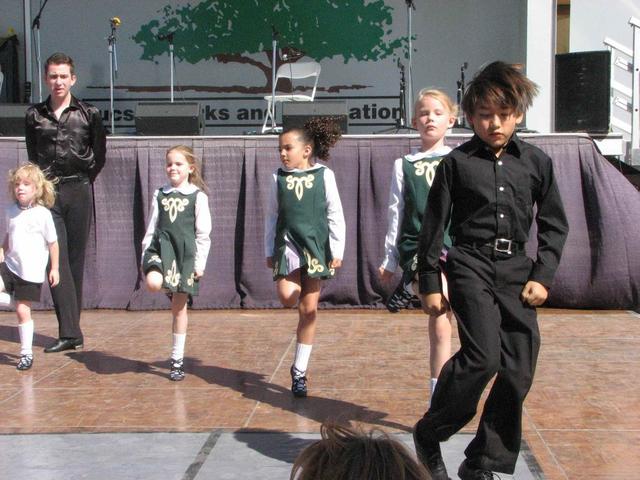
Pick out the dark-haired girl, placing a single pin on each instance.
(304, 230)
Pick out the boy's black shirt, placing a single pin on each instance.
(485, 198)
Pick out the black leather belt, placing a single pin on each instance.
(70, 178)
(500, 246)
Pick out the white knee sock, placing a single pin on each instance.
(303, 352)
(432, 385)
(26, 337)
(433, 382)
(178, 345)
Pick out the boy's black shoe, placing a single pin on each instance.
(465, 472)
(298, 383)
(429, 454)
(177, 370)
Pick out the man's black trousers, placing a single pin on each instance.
(72, 217)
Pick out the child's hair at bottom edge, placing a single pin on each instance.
(346, 453)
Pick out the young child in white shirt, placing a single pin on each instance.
(30, 242)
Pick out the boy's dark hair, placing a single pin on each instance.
(321, 133)
(345, 453)
(500, 84)
(59, 58)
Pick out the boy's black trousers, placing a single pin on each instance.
(72, 218)
(499, 336)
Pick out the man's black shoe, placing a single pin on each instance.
(428, 453)
(63, 344)
(465, 472)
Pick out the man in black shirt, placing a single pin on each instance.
(486, 189)
(66, 139)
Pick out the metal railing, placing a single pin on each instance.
(625, 98)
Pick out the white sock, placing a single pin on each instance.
(303, 352)
(5, 299)
(26, 337)
(433, 385)
(179, 340)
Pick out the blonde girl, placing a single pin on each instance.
(304, 230)
(434, 114)
(30, 242)
(176, 244)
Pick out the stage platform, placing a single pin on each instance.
(109, 411)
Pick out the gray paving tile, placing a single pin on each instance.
(184, 456)
(99, 456)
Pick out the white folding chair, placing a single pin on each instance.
(291, 71)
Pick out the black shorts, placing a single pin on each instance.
(19, 288)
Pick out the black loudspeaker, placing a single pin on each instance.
(168, 119)
(295, 114)
(12, 119)
(583, 83)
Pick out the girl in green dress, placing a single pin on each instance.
(176, 245)
(434, 114)
(304, 230)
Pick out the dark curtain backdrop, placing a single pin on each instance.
(600, 267)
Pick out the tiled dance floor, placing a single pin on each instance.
(109, 411)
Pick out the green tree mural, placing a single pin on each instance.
(241, 31)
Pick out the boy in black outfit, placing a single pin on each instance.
(487, 188)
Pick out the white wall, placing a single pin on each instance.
(592, 20)
(541, 22)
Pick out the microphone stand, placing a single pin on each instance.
(169, 37)
(113, 71)
(35, 25)
(272, 107)
(410, 6)
(401, 122)
(461, 123)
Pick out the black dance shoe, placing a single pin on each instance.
(63, 344)
(25, 363)
(177, 370)
(429, 454)
(465, 472)
(298, 383)
(402, 297)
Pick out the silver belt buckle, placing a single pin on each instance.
(502, 245)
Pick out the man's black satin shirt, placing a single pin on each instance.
(487, 198)
(74, 145)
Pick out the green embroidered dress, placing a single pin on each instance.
(172, 249)
(418, 177)
(305, 211)
(412, 178)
